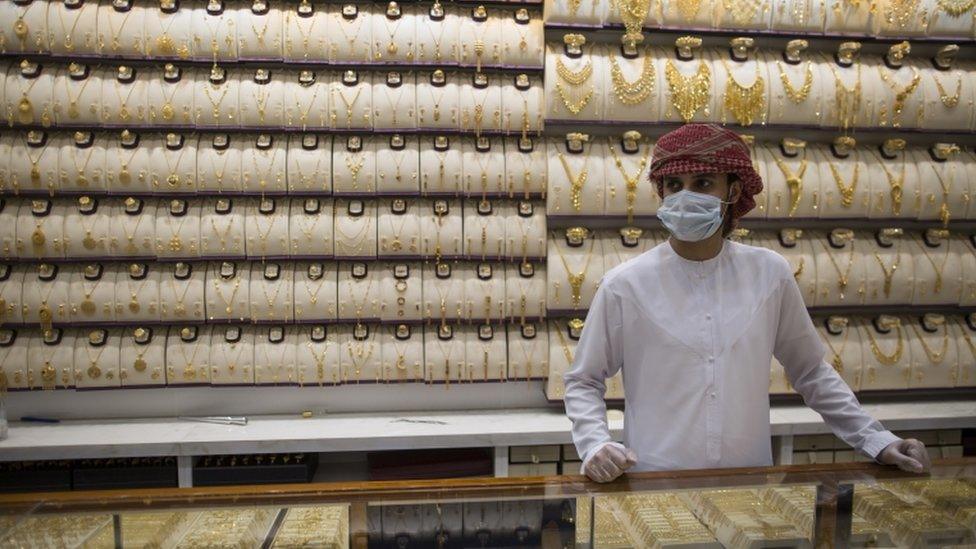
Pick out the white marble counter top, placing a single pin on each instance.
(384, 431)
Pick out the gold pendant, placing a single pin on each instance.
(134, 306)
(25, 110)
(124, 176)
(175, 243)
(94, 372)
(165, 44)
(20, 29)
(838, 363)
(124, 114)
(35, 175)
(944, 214)
(38, 238)
(88, 306)
(167, 112)
(179, 310)
(139, 365)
(173, 180)
(189, 372)
(48, 373)
(73, 110)
(391, 48)
(89, 243)
(81, 180)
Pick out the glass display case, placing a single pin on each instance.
(838, 505)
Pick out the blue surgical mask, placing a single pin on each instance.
(691, 216)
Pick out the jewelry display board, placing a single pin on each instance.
(377, 193)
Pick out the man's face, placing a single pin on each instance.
(715, 184)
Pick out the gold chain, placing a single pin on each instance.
(934, 357)
(944, 214)
(843, 276)
(886, 360)
(846, 191)
(937, 286)
(888, 273)
(794, 180)
(896, 183)
(630, 182)
(848, 100)
(955, 8)
(838, 361)
(575, 182)
(576, 280)
(900, 95)
(950, 101)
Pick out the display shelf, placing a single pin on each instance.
(209, 130)
(652, 222)
(273, 258)
(273, 64)
(771, 132)
(79, 439)
(663, 34)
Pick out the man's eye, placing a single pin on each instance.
(704, 183)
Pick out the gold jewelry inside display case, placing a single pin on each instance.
(837, 505)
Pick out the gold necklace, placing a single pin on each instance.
(165, 43)
(180, 308)
(116, 35)
(73, 110)
(901, 95)
(189, 372)
(688, 8)
(575, 182)
(396, 244)
(575, 79)
(89, 241)
(794, 180)
(232, 364)
(937, 287)
(80, 178)
(215, 105)
(630, 182)
(576, 280)
(124, 113)
(175, 241)
(797, 95)
(219, 174)
(746, 103)
(838, 361)
(167, 111)
(226, 233)
(956, 8)
(87, 303)
(843, 276)
(969, 340)
(355, 34)
(309, 230)
(228, 302)
(354, 165)
(25, 108)
(361, 236)
(358, 365)
(888, 273)
(361, 304)
(798, 272)
(447, 363)
(934, 357)
(349, 104)
(273, 298)
(260, 34)
(44, 312)
(68, 42)
(847, 100)
(567, 352)
(303, 117)
(391, 47)
(263, 235)
(688, 94)
(21, 30)
(944, 214)
(306, 34)
(134, 305)
(319, 358)
(124, 176)
(901, 12)
(632, 92)
(313, 297)
(886, 360)
(949, 101)
(742, 11)
(527, 356)
(896, 184)
(846, 191)
(93, 370)
(173, 178)
(131, 235)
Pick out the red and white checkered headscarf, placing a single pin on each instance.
(707, 148)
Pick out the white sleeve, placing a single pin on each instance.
(599, 356)
(801, 352)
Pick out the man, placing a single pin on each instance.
(694, 324)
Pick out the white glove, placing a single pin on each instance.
(908, 455)
(609, 462)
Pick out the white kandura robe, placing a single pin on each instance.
(695, 340)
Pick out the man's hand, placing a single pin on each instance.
(609, 462)
(908, 455)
